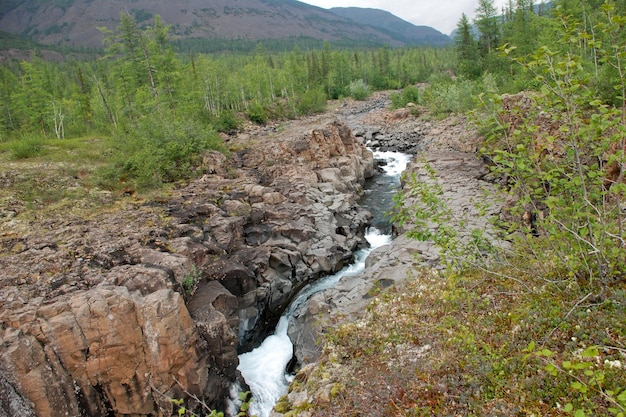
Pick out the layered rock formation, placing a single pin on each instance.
(115, 313)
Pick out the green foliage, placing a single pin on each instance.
(226, 121)
(560, 153)
(557, 148)
(311, 102)
(157, 150)
(588, 378)
(408, 95)
(424, 209)
(162, 109)
(257, 113)
(359, 90)
(27, 146)
(467, 49)
(190, 281)
(140, 75)
(453, 96)
(181, 410)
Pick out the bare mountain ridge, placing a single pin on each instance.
(77, 22)
(399, 29)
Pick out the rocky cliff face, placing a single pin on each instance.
(115, 313)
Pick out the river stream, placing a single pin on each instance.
(265, 368)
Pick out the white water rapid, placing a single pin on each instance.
(264, 368)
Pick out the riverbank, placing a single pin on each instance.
(506, 334)
(115, 305)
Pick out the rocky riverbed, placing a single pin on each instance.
(448, 148)
(114, 312)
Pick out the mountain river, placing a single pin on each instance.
(265, 368)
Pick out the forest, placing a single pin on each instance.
(145, 97)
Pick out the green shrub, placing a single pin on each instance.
(156, 151)
(227, 121)
(408, 95)
(452, 97)
(359, 90)
(257, 113)
(311, 102)
(284, 109)
(26, 147)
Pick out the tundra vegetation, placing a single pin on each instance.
(536, 329)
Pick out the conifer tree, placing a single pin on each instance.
(467, 50)
(487, 24)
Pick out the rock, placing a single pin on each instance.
(235, 208)
(100, 348)
(177, 266)
(235, 277)
(11, 403)
(460, 176)
(143, 278)
(213, 309)
(273, 198)
(92, 310)
(213, 163)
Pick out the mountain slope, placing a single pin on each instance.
(76, 22)
(399, 29)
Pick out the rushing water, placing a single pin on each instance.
(264, 368)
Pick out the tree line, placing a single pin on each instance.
(577, 27)
(141, 75)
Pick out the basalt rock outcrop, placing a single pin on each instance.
(461, 176)
(114, 313)
(445, 147)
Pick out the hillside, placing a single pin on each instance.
(78, 23)
(399, 29)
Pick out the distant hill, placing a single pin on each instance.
(77, 22)
(397, 28)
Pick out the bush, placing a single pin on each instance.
(27, 147)
(447, 95)
(401, 99)
(257, 113)
(283, 109)
(311, 102)
(359, 90)
(227, 121)
(157, 151)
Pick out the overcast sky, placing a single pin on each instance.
(442, 15)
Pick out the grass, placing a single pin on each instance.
(41, 173)
(50, 174)
(476, 344)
